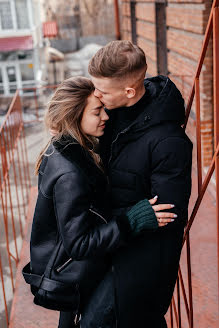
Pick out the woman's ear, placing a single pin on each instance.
(130, 92)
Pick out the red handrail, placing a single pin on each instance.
(14, 191)
(212, 28)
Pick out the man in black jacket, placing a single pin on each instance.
(146, 153)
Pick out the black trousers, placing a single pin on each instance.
(100, 310)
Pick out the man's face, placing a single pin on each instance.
(111, 92)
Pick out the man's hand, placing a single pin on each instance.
(163, 218)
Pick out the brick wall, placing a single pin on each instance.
(186, 22)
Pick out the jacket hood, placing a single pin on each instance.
(161, 103)
(167, 103)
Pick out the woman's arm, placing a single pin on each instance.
(145, 216)
(72, 202)
(80, 239)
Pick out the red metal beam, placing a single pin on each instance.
(216, 114)
(117, 20)
(198, 133)
(201, 59)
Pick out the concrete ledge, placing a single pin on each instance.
(24, 313)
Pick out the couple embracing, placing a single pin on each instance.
(114, 185)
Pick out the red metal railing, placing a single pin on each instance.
(15, 186)
(39, 97)
(14, 191)
(117, 20)
(182, 287)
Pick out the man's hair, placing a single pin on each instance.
(118, 59)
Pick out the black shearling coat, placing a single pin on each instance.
(148, 156)
(71, 192)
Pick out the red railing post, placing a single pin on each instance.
(216, 115)
(198, 133)
(117, 20)
(189, 272)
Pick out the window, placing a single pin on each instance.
(14, 14)
(27, 54)
(22, 14)
(27, 73)
(3, 56)
(1, 83)
(17, 71)
(12, 78)
(6, 22)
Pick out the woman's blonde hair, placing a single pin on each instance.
(64, 113)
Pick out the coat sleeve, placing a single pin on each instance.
(171, 174)
(75, 223)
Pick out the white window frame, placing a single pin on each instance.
(16, 63)
(15, 29)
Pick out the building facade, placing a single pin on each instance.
(80, 18)
(20, 44)
(171, 33)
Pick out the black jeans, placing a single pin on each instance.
(100, 310)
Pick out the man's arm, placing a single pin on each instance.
(171, 174)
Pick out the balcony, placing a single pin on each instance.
(195, 302)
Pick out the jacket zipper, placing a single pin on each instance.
(122, 132)
(111, 148)
(100, 216)
(61, 267)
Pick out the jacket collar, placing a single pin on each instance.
(162, 102)
(74, 152)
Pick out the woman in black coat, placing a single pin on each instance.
(72, 232)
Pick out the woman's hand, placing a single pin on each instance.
(163, 218)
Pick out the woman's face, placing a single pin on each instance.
(94, 117)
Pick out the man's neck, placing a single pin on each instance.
(137, 97)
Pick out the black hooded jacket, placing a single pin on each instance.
(147, 153)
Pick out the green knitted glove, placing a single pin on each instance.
(141, 217)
